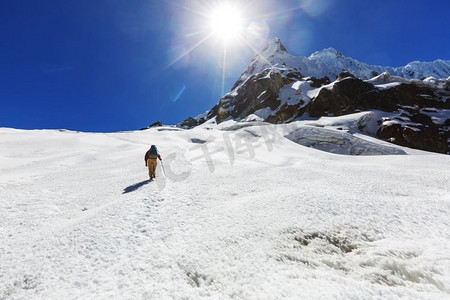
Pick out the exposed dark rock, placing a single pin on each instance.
(189, 123)
(413, 95)
(192, 122)
(213, 112)
(285, 113)
(155, 124)
(351, 95)
(316, 83)
(423, 138)
(344, 75)
(346, 96)
(259, 91)
(295, 75)
(422, 119)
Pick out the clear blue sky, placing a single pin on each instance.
(110, 65)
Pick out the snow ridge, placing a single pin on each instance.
(330, 62)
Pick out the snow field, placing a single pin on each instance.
(79, 220)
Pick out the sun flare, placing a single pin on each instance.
(226, 21)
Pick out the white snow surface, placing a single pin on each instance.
(293, 93)
(338, 142)
(239, 214)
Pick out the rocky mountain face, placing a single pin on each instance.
(412, 103)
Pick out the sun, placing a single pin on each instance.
(226, 21)
(225, 25)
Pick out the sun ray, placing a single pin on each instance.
(195, 33)
(278, 13)
(199, 13)
(224, 65)
(256, 51)
(189, 50)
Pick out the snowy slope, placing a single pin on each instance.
(330, 62)
(242, 213)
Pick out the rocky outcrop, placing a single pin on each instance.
(278, 88)
(350, 94)
(259, 91)
(192, 122)
(424, 137)
(346, 96)
(189, 123)
(155, 124)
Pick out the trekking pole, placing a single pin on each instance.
(162, 166)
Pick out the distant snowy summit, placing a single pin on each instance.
(408, 106)
(330, 62)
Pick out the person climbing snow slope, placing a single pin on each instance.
(151, 157)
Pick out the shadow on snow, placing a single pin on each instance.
(135, 186)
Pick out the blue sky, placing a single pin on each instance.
(110, 65)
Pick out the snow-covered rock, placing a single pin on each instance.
(338, 142)
(280, 88)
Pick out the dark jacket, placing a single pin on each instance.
(147, 156)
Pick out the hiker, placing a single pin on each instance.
(150, 161)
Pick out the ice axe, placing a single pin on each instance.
(162, 166)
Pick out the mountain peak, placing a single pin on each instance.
(273, 46)
(326, 52)
(272, 54)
